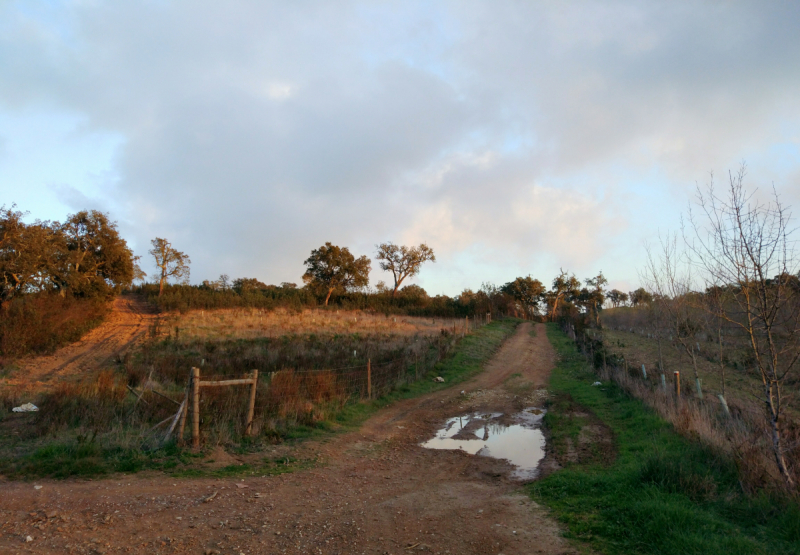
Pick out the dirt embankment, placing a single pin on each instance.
(373, 491)
(123, 329)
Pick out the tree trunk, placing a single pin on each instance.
(777, 447)
(330, 292)
(161, 285)
(721, 363)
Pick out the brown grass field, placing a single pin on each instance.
(251, 323)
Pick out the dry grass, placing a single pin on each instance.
(741, 387)
(252, 323)
(743, 435)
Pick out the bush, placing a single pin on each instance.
(41, 323)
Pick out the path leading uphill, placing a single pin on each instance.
(374, 491)
(125, 326)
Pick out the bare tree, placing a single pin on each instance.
(171, 263)
(745, 244)
(669, 280)
(403, 261)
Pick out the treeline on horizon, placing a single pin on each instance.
(525, 297)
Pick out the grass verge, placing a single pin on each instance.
(663, 494)
(59, 457)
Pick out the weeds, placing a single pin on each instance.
(110, 426)
(663, 493)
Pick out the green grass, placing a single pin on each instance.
(89, 457)
(663, 494)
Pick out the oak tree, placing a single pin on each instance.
(330, 268)
(171, 263)
(403, 261)
(95, 260)
(527, 291)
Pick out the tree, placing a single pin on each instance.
(744, 245)
(565, 288)
(243, 285)
(330, 268)
(526, 291)
(171, 263)
(403, 261)
(617, 298)
(595, 297)
(94, 259)
(28, 253)
(640, 296)
(670, 281)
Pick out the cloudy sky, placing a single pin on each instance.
(513, 137)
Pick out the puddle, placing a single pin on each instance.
(518, 440)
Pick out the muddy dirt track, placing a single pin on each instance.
(373, 491)
(125, 326)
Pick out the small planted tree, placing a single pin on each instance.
(403, 261)
(331, 268)
(171, 263)
(744, 245)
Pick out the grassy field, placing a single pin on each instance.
(249, 323)
(658, 492)
(32, 445)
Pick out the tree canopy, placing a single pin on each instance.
(403, 261)
(85, 256)
(171, 263)
(331, 268)
(528, 292)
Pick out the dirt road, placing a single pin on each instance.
(373, 491)
(125, 326)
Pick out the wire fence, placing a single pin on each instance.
(737, 427)
(306, 395)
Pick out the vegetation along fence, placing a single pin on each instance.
(298, 395)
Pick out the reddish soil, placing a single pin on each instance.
(371, 491)
(123, 329)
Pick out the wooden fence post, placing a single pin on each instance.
(677, 387)
(369, 378)
(195, 408)
(252, 407)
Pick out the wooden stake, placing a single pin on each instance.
(195, 408)
(677, 386)
(369, 378)
(252, 407)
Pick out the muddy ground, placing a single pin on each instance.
(371, 491)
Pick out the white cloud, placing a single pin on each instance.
(519, 136)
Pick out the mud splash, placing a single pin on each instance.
(516, 439)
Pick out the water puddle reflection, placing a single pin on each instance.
(517, 439)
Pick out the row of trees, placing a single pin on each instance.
(331, 268)
(84, 256)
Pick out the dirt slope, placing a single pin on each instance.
(374, 491)
(127, 324)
